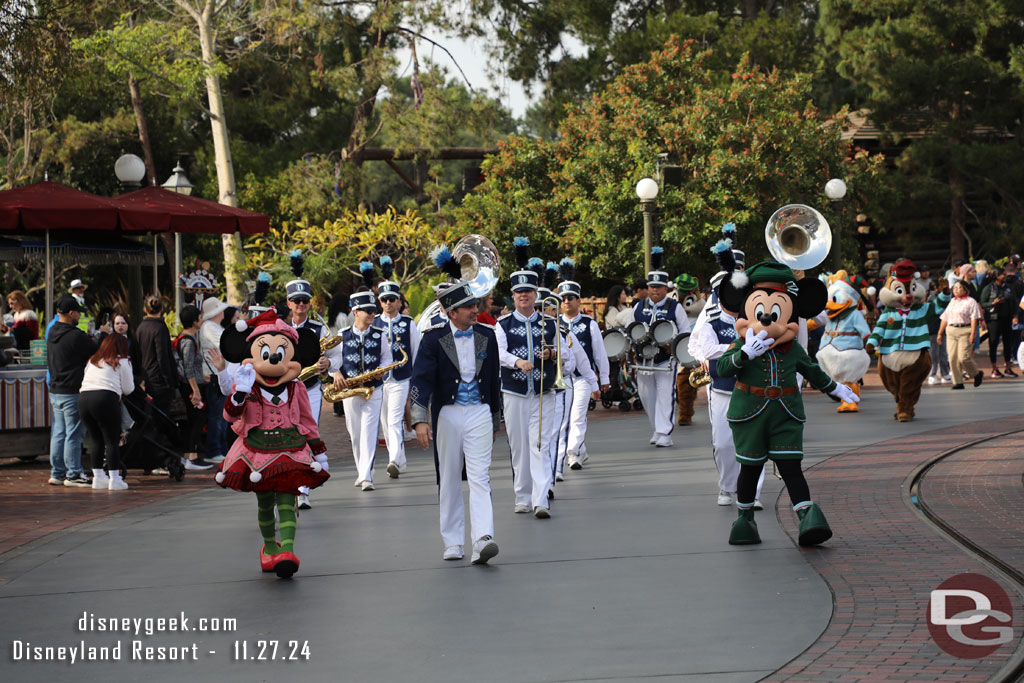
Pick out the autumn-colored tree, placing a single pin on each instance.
(744, 148)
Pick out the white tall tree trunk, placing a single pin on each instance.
(205, 18)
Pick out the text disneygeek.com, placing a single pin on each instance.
(140, 649)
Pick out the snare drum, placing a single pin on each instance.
(616, 344)
(648, 351)
(662, 331)
(638, 332)
(681, 352)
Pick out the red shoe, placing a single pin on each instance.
(285, 564)
(267, 561)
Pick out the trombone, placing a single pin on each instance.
(559, 382)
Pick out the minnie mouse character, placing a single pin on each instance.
(766, 412)
(279, 447)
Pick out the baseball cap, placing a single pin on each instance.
(67, 304)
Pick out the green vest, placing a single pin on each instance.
(775, 368)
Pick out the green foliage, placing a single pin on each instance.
(745, 147)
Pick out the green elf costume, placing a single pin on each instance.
(766, 411)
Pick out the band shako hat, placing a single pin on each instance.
(365, 301)
(389, 287)
(298, 288)
(568, 285)
(457, 292)
(523, 279)
(657, 277)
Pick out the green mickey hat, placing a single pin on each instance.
(686, 283)
(769, 271)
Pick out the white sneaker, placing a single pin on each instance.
(757, 505)
(304, 503)
(393, 470)
(654, 439)
(100, 481)
(189, 465)
(216, 460)
(54, 481)
(664, 441)
(453, 552)
(359, 482)
(559, 477)
(932, 379)
(116, 484)
(724, 498)
(483, 550)
(367, 485)
(575, 463)
(541, 513)
(521, 509)
(946, 379)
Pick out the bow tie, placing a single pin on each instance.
(463, 333)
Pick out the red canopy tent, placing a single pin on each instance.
(46, 206)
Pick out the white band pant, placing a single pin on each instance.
(531, 463)
(658, 394)
(363, 419)
(464, 436)
(392, 417)
(722, 445)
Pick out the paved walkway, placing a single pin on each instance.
(630, 579)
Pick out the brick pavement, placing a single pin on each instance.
(978, 492)
(883, 562)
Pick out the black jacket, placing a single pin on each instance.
(156, 356)
(68, 349)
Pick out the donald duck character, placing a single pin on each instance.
(842, 353)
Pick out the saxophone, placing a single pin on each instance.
(332, 394)
(326, 344)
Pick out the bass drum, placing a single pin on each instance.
(616, 345)
(663, 331)
(681, 352)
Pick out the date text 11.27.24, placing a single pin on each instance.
(271, 650)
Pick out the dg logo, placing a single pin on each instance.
(970, 616)
(522, 280)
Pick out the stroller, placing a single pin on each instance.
(622, 391)
(153, 440)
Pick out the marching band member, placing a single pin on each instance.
(456, 401)
(587, 334)
(522, 336)
(402, 333)
(712, 333)
(299, 294)
(657, 387)
(363, 348)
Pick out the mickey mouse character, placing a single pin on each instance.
(279, 447)
(766, 412)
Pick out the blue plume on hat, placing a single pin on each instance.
(567, 268)
(522, 249)
(657, 258)
(366, 269)
(723, 254)
(298, 263)
(387, 267)
(262, 288)
(536, 265)
(551, 275)
(442, 257)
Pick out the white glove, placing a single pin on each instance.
(322, 459)
(756, 344)
(245, 378)
(844, 394)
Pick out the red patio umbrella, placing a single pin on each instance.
(189, 214)
(51, 206)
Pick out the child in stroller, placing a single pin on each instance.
(153, 442)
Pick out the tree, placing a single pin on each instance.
(745, 148)
(944, 72)
(333, 250)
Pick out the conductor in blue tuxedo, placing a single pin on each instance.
(456, 401)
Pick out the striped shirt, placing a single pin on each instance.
(961, 311)
(906, 330)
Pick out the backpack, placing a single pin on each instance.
(179, 359)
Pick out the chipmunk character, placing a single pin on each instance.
(842, 353)
(766, 411)
(901, 335)
(278, 447)
(692, 300)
